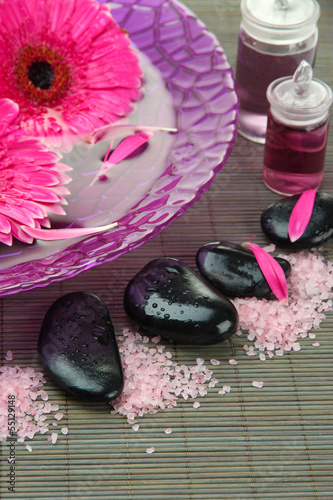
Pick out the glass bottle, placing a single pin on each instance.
(275, 36)
(297, 131)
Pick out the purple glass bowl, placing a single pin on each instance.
(199, 79)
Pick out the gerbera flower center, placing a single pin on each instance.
(42, 75)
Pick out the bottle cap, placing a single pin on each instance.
(300, 100)
(280, 21)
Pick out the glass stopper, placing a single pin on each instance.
(281, 4)
(302, 79)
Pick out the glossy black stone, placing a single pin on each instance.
(167, 298)
(275, 219)
(234, 271)
(78, 347)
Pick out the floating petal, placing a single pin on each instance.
(66, 233)
(122, 151)
(301, 214)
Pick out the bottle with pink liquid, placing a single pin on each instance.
(275, 36)
(297, 130)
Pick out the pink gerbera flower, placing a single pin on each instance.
(31, 179)
(67, 64)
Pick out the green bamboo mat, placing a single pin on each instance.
(272, 443)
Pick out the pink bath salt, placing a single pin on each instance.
(156, 340)
(258, 384)
(54, 437)
(196, 404)
(64, 431)
(276, 327)
(9, 356)
(43, 394)
(269, 248)
(233, 362)
(312, 335)
(150, 450)
(59, 416)
(168, 430)
(316, 344)
(215, 362)
(135, 427)
(221, 391)
(250, 351)
(153, 381)
(213, 382)
(226, 388)
(19, 394)
(29, 448)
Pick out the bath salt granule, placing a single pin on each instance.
(258, 384)
(9, 356)
(54, 437)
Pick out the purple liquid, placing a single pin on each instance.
(256, 68)
(294, 158)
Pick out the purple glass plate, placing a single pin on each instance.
(197, 76)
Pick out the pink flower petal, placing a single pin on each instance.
(272, 271)
(124, 149)
(9, 110)
(66, 233)
(301, 214)
(112, 131)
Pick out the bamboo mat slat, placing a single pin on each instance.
(273, 443)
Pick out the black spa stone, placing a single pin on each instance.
(78, 347)
(275, 219)
(169, 299)
(234, 271)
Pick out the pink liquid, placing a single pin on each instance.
(256, 68)
(294, 158)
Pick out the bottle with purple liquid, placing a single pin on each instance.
(297, 131)
(275, 36)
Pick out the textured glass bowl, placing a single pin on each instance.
(196, 74)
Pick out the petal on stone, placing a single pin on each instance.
(272, 271)
(301, 214)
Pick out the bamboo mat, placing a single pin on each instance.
(272, 443)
